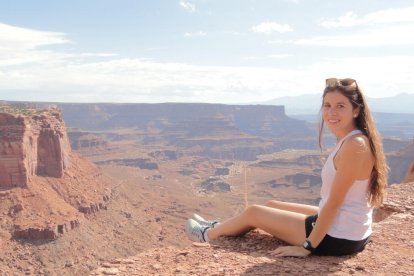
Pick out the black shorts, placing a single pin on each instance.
(331, 246)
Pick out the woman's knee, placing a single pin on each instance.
(272, 203)
(252, 210)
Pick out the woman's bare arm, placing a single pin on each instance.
(355, 152)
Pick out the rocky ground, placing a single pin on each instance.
(146, 210)
(147, 207)
(390, 252)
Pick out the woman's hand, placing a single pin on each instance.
(295, 251)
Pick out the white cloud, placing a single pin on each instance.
(394, 73)
(188, 6)
(396, 35)
(12, 37)
(271, 27)
(350, 19)
(98, 55)
(276, 56)
(137, 80)
(250, 58)
(280, 56)
(60, 76)
(199, 33)
(22, 46)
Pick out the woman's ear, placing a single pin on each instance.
(357, 111)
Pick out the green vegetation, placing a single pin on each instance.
(21, 110)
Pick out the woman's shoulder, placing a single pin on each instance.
(357, 144)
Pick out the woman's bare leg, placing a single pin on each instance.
(293, 207)
(285, 225)
(288, 206)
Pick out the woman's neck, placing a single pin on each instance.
(342, 134)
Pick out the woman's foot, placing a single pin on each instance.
(204, 222)
(195, 231)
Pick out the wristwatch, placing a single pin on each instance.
(308, 246)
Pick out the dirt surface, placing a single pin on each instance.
(138, 229)
(147, 210)
(389, 252)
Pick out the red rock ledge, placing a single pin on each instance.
(390, 252)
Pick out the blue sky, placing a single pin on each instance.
(201, 50)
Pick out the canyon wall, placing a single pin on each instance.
(410, 175)
(46, 189)
(32, 143)
(186, 119)
(400, 162)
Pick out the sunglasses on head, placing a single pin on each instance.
(348, 84)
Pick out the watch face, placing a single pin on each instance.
(307, 245)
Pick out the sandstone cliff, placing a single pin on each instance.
(410, 175)
(44, 187)
(399, 162)
(388, 253)
(32, 145)
(82, 140)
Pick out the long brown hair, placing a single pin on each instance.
(364, 122)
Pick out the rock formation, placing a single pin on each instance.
(399, 162)
(80, 140)
(44, 186)
(32, 145)
(165, 155)
(211, 130)
(388, 253)
(410, 175)
(303, 180)
(142, 163)
(215, 184)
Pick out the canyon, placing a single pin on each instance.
(215, 131)
(110, 181)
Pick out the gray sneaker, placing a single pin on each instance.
(202, 221)
(195, 231)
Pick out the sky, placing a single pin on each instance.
(217, 51)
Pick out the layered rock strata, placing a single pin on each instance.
(94, 207)
(49, 233)
(36, 144)
(80, 140)
(400, 162)
(410, 175)
(47, 189)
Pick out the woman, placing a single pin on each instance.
(354, 179)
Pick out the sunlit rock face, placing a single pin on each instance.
(46, 190)
(33, 142)
(410, 174)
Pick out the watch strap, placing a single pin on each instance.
(308, 245)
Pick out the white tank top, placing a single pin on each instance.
(354, 218)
